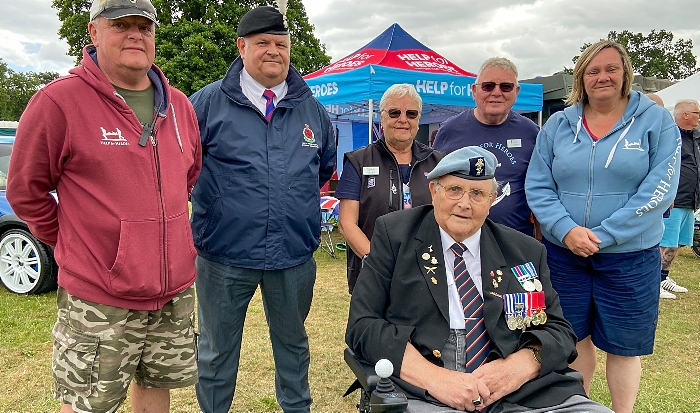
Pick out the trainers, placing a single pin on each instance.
(669, 285)
(667, 295)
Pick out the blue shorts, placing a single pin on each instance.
(678, 228)
(614, 298)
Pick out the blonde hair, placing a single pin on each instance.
(578, 91)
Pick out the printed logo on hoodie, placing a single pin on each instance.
(113, 138)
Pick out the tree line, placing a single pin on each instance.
(16, 88)
(196, 43)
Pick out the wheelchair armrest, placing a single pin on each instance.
(362, 370)
(573, 373)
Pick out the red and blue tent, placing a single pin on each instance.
(396, 57)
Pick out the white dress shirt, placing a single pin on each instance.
(472, 258)
(254, 91)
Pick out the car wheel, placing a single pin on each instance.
(26, 264)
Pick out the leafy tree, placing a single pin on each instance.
(196, 39)
(656, 54)
(16, 88)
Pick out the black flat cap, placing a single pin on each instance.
(263, 19)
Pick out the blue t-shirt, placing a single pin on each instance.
(512, 142)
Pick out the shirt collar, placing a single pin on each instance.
(472, 243)
(256, 89)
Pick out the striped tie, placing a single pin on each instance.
(269, 103)
(477, 339)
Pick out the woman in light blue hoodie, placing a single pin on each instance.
(603, 172)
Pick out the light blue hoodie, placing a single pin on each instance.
(618, 186)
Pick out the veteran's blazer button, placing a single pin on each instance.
(437, 353)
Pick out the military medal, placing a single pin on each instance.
(509, 304)
(520, 310)
(526, 276)
(538, 284)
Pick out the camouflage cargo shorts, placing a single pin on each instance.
(99, 349)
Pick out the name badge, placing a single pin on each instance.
(370, 170)
(514, 143)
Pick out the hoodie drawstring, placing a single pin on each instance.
(578, 129)
(622, 135)
(177, 131)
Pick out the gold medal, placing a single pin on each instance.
(512, 324)
(536, 319)
(520, 322)
(543, 317)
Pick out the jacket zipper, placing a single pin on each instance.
(163, 268)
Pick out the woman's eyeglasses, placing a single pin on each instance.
(490, 86)
(396, 113)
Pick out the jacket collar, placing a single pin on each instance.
(297, 89)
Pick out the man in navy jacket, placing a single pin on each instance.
(267, 148)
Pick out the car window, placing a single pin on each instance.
(5, 152)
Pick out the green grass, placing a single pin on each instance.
(670, 377)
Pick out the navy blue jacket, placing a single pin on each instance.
(256, 203)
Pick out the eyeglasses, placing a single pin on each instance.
(490, 86)
(456, 192)
(697, 113)
(396, 113)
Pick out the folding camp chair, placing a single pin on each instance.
(329, 217)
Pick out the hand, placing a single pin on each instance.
(459, 390)
(505, 376)
(582, 241)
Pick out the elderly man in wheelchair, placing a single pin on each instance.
(461, 307)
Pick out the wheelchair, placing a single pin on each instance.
(377, 395)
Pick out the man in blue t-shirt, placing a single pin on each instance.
(494, 126)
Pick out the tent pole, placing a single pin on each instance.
(371, 121)
(539, 119)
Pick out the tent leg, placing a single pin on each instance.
(371, 121)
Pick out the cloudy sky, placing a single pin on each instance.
(540, 36)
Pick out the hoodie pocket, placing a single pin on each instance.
(180, 253)
(137, 270)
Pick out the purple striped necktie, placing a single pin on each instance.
(269, 103)
(477, 340)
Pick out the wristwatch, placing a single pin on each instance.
(535, 352)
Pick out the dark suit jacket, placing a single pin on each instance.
(398, 300)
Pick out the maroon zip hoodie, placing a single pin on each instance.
(121, 229)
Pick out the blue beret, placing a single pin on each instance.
(471, 162)
(263, 19)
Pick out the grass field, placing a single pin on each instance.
(670, 379)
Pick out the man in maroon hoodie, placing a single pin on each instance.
(121, 149)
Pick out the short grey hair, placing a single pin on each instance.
(500, 62)
(398, 91)
(684, 105)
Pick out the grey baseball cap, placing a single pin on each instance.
(114, 9)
